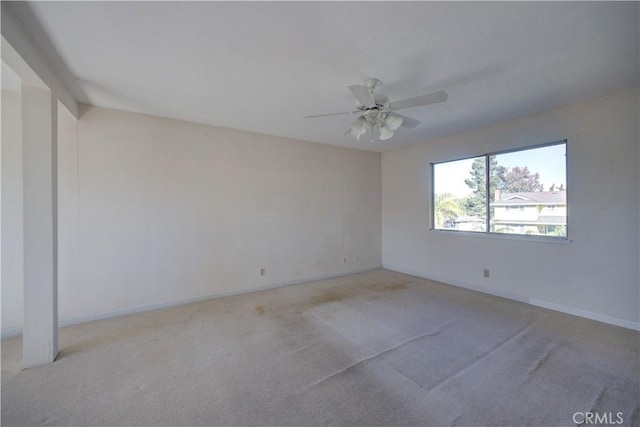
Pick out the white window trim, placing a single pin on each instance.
(488, 233)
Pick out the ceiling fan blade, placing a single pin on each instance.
(326, 115)
(408, 122)
(431, 98)
(363, 95)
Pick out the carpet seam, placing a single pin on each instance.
(444, 381)
(366, 359)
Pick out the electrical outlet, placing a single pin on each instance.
(263, 271)
(486, 273)
(344, 260)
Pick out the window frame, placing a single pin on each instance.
(488, 232)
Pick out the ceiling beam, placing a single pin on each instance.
(21, 53)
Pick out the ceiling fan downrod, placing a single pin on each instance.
(371, 84)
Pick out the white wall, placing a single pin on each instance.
(168, 210)
(597, 273)
(155, 211)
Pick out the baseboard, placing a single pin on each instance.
(586, 314)
(10, 332)
(629, 324)
(482, 289)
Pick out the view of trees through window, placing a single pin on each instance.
(527, 193)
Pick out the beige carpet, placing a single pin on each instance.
(377, 348)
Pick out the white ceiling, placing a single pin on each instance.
(263, 66)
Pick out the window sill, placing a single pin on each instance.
(517, 237)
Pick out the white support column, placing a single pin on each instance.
(39, 137)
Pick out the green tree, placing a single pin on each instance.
(560, 230)
(475, 205)
(515, 180)
(521, 180)
(447, 207)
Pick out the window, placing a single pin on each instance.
(520, 192)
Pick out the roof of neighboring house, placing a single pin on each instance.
(541, 220)
(532, 198)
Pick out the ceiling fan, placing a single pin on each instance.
(377, 112)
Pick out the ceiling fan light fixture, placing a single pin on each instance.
(358, 128)
(392, 122)
(385, 133)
